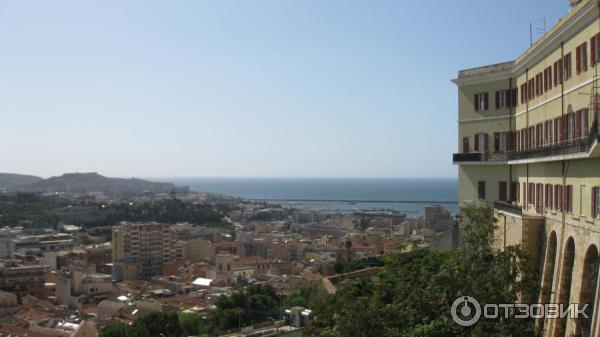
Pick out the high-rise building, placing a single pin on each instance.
(528, 145)
(22, 280)
(7, 242)
(147, 245)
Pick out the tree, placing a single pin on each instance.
(414, 291)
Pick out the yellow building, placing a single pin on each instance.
(528, 145)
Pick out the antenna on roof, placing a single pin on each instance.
(573, 3)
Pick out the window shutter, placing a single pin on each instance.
(563, 125)
(476, 102)
(556, 197)
(514, 97)
(524, 196)
(555, 73)
(578, 124)
(570, 193)
(485, 101)
(584, 126)
(496, 141)
(584, 54)
(502, 191)
(497, 99)
(477, 149)
(577, 59)
(593, 51)
(485, 142)
(594, 202)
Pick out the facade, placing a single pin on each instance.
(7, 242)
(22, 280)
(528, 145)
(149, 246)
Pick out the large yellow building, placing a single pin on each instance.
(528, 145)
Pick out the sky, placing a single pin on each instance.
(273, 88)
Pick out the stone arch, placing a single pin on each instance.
(589, 282)
(549, 268)
(564, 285)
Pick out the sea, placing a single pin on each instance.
(335, 195)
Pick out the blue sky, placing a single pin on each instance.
(245, 88)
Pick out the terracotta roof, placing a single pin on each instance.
(16, 331)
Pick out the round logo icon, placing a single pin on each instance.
(466, 311)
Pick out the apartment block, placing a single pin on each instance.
(146, 246)
(528, 146)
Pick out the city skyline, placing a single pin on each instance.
(269, 89)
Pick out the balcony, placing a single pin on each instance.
(567, 148)
(505, 206)
(479, 158)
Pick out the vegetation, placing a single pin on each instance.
(251, 305)
(38, 213)
(413, 293)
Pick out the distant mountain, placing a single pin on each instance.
(8, 180)
(94, 182)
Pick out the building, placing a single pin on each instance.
(437, 218)
(7, 242)
(528, 145)
(22, 280)
(149, 245)
(78, 286)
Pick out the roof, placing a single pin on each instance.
(16, 331)
(201, 281)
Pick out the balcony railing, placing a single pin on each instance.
(508, 207)
(467, 157)
(579, 145)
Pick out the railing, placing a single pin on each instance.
(564, 148)
(467, 157)
(508, 207)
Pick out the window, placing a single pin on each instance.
(524, 198)
(501, 141)
(514, 191)
(481, 102)
(531, 194)
(466, 145)
(502, 99)
(502, 191)
(481, 142)
(523, 93)
(567, 66)
(582, 123)
(547, 79)
(595, 201)
(558, 197)
(571, 126)
(481, 190)
(569, 198)
(539, 191)
(539, 85)
(558, 72)
(581, 58)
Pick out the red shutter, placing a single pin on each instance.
(497, 99)
(577, 59)
(485, 144)
(563, 125)
(578, 124)
(585, 126)
(502, 191)
(594, 199)
(485, 101)
(584, 54)
(476, 102)
(556, 130)
(496, 141)
(570, 198)
(593, 51)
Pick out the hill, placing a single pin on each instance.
(8, 180)
(94, 182)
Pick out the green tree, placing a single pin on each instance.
(414, 291)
